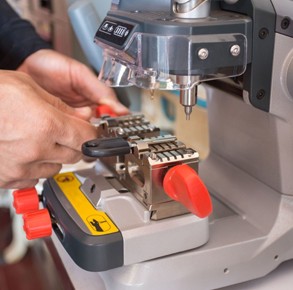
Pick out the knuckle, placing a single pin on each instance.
(47, 126)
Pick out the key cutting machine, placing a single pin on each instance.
(242, 52)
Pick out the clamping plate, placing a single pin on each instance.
(89, 235)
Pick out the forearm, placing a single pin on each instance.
(18, 38)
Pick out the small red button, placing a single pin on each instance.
(183, 184)
(25, 200)
(37, 224)
(103, 110)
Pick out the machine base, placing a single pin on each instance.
(103, 226)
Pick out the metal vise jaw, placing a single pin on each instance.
(146, 167)
(141, 160)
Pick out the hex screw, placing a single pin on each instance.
(119, 131)
(285, 23)
(235, 50)
(263, 33)
(203, 53)
(260, 94)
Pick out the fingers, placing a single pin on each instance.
(87, 85)
(71, 132)
(70, 80)
(19, 184)
(66, 126)
(27, 175)
(38, 132)
(57, 138)
(63, 155)
(84, 113)
(57, 103)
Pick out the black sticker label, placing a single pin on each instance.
(114, 31)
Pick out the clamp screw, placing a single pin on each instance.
(203, 53)
(235, 50)
(119, 131)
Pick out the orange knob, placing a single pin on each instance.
(37, 224)
(183, 184)
(25, 200)
(102, 110)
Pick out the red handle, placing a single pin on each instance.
(184, 185)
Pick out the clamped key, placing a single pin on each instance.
(106, 147)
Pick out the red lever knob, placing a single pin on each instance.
(37, 224)
(25, 200)
(183, 184)
(102, 110)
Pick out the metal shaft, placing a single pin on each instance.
(191, 8)
(188, 99)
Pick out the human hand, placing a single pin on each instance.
(70, 80)
(38, 132)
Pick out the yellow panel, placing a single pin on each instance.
(96, 221)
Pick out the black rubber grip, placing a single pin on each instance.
(106, 147)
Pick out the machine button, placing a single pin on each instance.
(183, 184)
(25, 200)
(37, 224)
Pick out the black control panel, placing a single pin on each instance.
(113, 31)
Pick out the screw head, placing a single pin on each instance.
(260, 94)
(285, 23)
(119, 131)
(235, 50)
(263, 33)
(203, 53)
